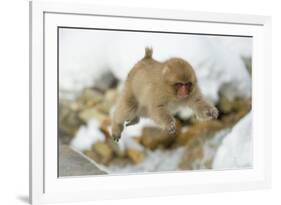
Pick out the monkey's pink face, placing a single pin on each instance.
(183, 89)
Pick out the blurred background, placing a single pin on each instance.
(93, 67)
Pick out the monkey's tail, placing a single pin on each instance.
(148, 52)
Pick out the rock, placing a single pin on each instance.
(233, 111)
(103, 152)
(72, 163)
(120, 162)
(104, 127)
(150, 137)
(193, 156)
(233, 118)
(69, 122)
(198, 130)
(87, 114)
(106, 81)
(135, 155)
(90, 97)
(200, 151)
(227, 106)
(117, 150)
(104, 108)
(65, 139)
(75, 106)
(111, 96)
(109, 100)
(154, 137)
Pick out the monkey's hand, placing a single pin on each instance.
(208, 112)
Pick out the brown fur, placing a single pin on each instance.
(150, 91)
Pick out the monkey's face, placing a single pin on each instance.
(180, 77)
(183, 89)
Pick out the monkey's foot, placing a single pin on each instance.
(132, 122)
(116, 138)
(116, 131)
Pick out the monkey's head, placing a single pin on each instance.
(180, 77)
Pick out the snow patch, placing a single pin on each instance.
(236, 148)
(86, 54)
(87, 135)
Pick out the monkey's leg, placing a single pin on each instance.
(163, 118)
(125, 111)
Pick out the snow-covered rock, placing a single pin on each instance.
(236, 148)
(86, 54)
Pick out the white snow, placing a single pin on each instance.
(242, 47)
(85, 54)
(87, 135)
(158, 160)
(236, 149)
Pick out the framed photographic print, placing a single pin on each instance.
(129, 102)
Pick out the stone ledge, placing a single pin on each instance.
(72, 163)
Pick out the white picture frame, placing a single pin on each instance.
(46, 187)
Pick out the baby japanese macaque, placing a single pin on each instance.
(155, 89)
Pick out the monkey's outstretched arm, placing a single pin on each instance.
(202, 108)
(163, 118)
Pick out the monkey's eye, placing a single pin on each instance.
(178, 85)
(189, 84)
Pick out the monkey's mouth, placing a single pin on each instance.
(182, 96)
(183, 93)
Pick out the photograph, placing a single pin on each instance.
(139, 101)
